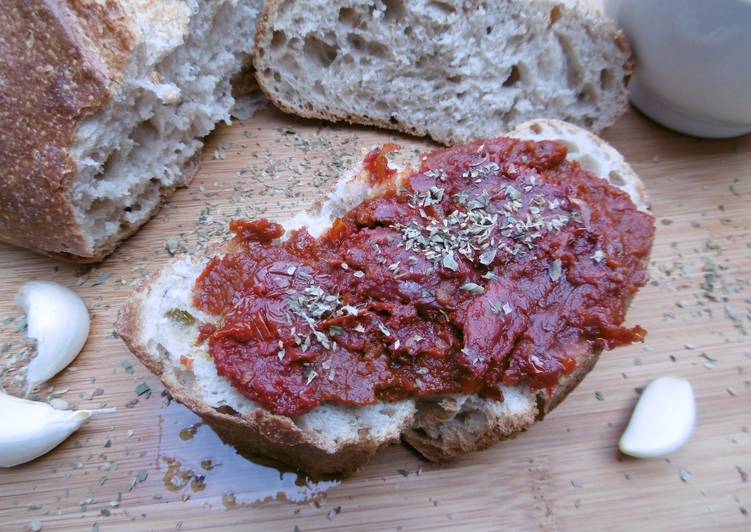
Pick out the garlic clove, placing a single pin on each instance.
(59, 321)
(29, 429)
(662, 421)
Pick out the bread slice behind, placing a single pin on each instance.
(452, 70)
(332, 438)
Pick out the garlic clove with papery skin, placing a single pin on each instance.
(662, 421)
(58, 320)
(29, 429)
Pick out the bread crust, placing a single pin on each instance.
(441, 429)
(60, 62)
(260, 432)
(264, 32)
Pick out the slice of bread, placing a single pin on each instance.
(103, 110)
(330, 438)
(453, 70)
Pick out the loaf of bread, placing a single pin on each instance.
(452, 70)
(103, 107)
(332, 438)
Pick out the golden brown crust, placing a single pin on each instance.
(60, 60)
(445, 445)
(453, 443)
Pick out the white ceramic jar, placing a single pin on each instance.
(693, 62)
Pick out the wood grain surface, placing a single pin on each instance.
(153, 466)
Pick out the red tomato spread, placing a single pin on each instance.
(498, 262)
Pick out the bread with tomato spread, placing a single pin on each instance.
(166, 324)
(452, 70)
(103, 108)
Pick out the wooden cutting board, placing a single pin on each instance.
(153, 466)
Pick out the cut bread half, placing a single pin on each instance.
(103, 110)
(452, 70)
(331, 438)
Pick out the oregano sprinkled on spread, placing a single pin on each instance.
(472, 288)
(470, 232)
(181, 316)
(488, 256)
(310, 377)
(449, 261)
(383, 329)
(555, 270)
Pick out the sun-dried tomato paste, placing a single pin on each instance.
(496, 262)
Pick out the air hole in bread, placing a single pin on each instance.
(135, 207)
(317, 51)
(108, 165)
(454, 79)
(570, 146)
(144, 134)
(288, 62)
(278, 39)
(555, 14)
(488, 30)
(589, 164)
(616, 179)
(511, 116)
(394, 119)
(513, 77)
(348, 16)
(227, 410)
(440, 8)
(572, 64)
(355, 41)
(606, 79)
(376, 49)
(277, 77)
(409, 32)
(184, 376)
(587, 95)
(394, 10)
(380, 105)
